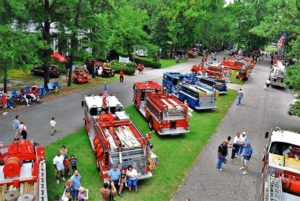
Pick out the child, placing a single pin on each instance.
(53, 126)
(81, 196)
(67, 166)
(73, 162)
(122, 181)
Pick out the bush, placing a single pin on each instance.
(131, 65)
(295, 109)
(114, 62)
(127, 70)
(147, 63)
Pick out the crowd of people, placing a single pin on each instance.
(241, 146)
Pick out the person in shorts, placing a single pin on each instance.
(58, 163)
(122, 181)
(53, 126)
(247, 153)
(132, 178)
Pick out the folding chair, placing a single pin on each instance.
(50, 87)
(27, 89)
(14, 94)
(56, 84)
(42, 90)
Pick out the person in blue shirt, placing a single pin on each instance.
(76, 183)
(247, 153)
(114, 175)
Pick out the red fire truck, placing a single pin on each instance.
(23, 172)
(115, 139)
(164, 113)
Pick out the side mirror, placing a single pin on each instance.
(82, 103)
(266, 135)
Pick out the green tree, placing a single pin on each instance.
(17, 50)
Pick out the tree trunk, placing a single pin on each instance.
(46, 37)
(5, 79)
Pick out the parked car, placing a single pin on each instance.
(39, 70)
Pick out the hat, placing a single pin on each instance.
(243, 133)
(81, 189)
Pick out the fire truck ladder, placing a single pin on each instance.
(43, 196)
(274, 189)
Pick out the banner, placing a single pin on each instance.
(124, 59)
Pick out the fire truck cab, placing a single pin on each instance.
(281, 169)
(115, 139)
(164, 113)
(195, 96)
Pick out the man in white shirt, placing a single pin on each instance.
(53, 126)
(235, 145)
(58, 163)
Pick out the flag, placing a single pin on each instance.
(104, 98)
(280, 41)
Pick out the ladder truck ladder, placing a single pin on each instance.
(273, 189)
(43, 196)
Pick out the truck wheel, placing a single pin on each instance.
(150, 123)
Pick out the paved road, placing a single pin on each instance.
(67, 110)
(260, 111)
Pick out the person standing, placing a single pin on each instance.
(121, 76)
(140, 68)
(122, 181)
(242, 142)
(68, 190)
(15, 124)
(235, 145)
(114, 175)
(240, 95)
(132, 178)
(222, 153)
(58, 163)
(268, 83)
(53, 126)
(66, 166)
(76, 183)
(106, 192)
(247, 153)
(73, 161)
(23, 130)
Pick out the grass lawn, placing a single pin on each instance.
(170, 62)
(233, 78)
(176, 155)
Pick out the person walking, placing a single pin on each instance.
(132, 178)
(235, 145)
(53, 126)
(58, 163)
(267, 85)
(23, 130)
(76, 183)
(140, 69)
(240, 95)
(247, 153)
(222, 153)
(121, 76)
(15, 124)
(106, 192)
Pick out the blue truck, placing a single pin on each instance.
(207, 82)
(195, 96)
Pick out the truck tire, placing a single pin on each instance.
(150, 122)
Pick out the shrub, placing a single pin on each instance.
(131, 65)
(147, 63)
(127, 70)
(114, 62)
(295, 109)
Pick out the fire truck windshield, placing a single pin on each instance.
(285, 149)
